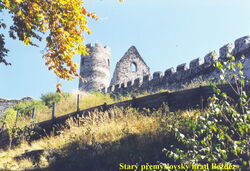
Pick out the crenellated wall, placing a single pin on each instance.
(174, 79)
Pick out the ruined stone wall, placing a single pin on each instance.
(95, 68)
(124, 70)
(198, 68)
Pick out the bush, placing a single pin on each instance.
(8, 118)
(26, 107)
(51, 98)
(222, 134)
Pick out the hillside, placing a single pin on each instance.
(128, 136)
(122, 138)
(99, 143)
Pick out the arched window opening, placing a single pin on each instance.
(108, 62)
(133, 67)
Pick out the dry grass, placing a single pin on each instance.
(68, 105)
(130, 96)
(98, 128)
(195, 83)
(87, 100)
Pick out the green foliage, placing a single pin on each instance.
(8, 118)
(26, 133)
(26, 107)
(51, 98)
(222, 133)
(9, 121)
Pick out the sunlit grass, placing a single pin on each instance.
(67, 105)
(98, 128)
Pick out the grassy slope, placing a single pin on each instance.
(100, 143)
(66, 105)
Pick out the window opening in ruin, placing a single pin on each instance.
(108, 63)
(133, 67)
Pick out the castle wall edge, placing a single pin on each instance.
(184, 73)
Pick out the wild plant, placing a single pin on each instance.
(222, 133)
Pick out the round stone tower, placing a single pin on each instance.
(95, 68)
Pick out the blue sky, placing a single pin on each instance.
(166, 33)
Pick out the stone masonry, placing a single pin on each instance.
(95, 68)
(174, 79)
(130, 67)
(133, 75)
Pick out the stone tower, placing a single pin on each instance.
(130, 67)
(95, 68)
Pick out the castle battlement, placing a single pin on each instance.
(185, 73)
(96, 45)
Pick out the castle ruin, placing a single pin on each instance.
(131, 66)
(133, 75)
(95, 68)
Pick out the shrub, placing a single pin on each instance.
(26, 107)
(51, 98)
(8, 118)
(221, 134)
